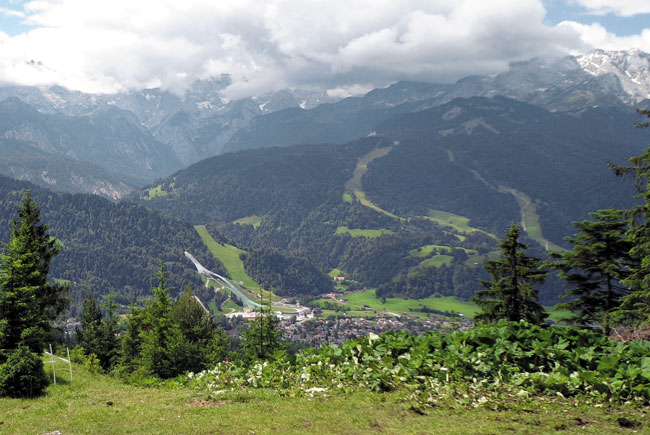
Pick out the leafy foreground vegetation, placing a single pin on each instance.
(92, 403)
(489, 363)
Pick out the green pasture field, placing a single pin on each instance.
(347, 198)
(255, 221)
(437, 261)
(230, 306)
(428, 250)
(335, 272)
(356, 232)
(155, 192)
(398, 305)
(457, 222)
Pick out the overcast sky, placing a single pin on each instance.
(345, 46)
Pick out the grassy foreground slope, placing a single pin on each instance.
(100, 404)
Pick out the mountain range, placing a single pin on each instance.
(140, 136)
(407, 188)
(426, 194)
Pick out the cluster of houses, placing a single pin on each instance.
(317, 332)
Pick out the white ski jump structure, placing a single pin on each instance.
(210, 275)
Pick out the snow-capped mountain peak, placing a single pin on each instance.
(632, 68)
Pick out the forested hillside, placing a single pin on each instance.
(415, 207)
(109, 246)
(473, 152)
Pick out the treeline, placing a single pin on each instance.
(165, 337)
(286, 275)
(107, 245)
(457, 280)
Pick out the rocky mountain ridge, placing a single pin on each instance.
(139, 136)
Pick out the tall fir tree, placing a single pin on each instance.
(262, 339)
(161, 338)
(595, 267)
(207, 343)
(98, 333)
(88, 336)
(28, 302)
(131, 342)
(635, 307)
(509, 294)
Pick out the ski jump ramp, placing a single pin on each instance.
(210, 275)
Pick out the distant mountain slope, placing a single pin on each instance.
(389, 208)
(109, 138)
(338, 122)
(471, 151)
(600, 78)
(108, 245)
(24, 162)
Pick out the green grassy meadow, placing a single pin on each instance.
(457, 222)
(437, 261)
(356, 301)
(99, 404)
(229, 256)
(156, 192)
(255, 221)
(356, 232)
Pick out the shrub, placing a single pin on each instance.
(23, 374)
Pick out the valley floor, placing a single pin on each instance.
(93, 403)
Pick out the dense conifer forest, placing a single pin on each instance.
(109, 246)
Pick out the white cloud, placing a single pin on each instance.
(623, 8)
(345, 46)
(596, 36)
(12, 13)
(349, 91)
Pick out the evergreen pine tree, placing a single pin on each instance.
(161, 338)
(595, 266)
(262, 339)
(98, 334)
(509, 294)
(635, 307)
(28, 302)
(131, 343)
(88, 336)
(110, 346)
(207, 344)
